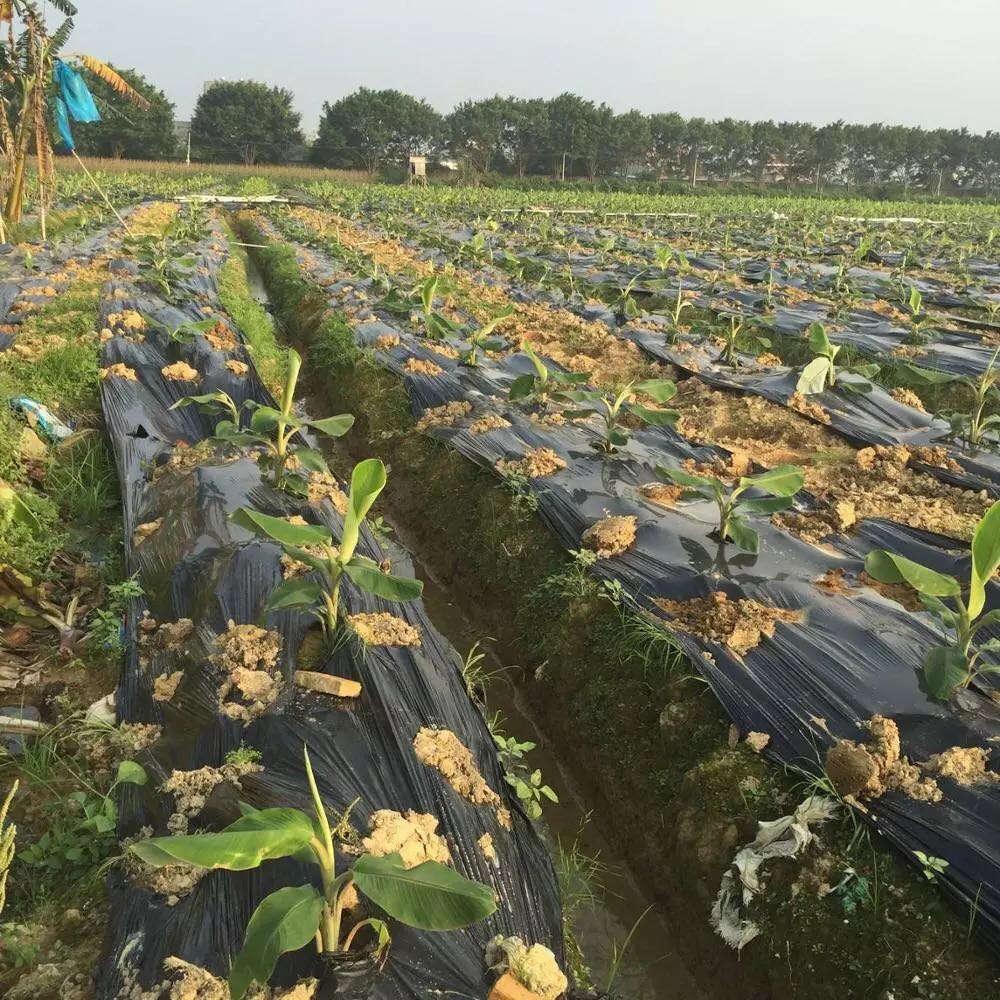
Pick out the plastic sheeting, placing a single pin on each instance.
(846, 657)
(199, 565)
(872, 418)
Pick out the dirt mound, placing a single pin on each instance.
(445, 752)
(869, 770)
(611, 536)
(412, 835)
(383, 629)
(537, 463)
(741, 625)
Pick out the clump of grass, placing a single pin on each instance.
(82, 480)
(244, 755)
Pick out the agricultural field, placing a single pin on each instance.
(413, 592)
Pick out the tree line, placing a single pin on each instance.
(565, 137)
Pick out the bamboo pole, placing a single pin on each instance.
(41, 196)
(100, 191)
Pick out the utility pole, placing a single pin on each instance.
(564, 167)
(189, 147)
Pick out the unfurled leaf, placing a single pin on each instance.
(264, 419)
(366, 574)
(522, 387)
(333, 426)
(294, 593)
(889, 568)
(944, 669)
(682, 478)
(281, 529)
(263, 836)
(767, 505)
(985, 558)
(661, 390)
(742, 535)
(131, 773)
(430, 896)
(367, 482)
(819, 341)
(814, 377)
(311, 460)
(284, 921)
(656, 418)
(781, 481)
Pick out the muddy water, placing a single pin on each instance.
(621, 935)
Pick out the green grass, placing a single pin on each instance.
(252, 319)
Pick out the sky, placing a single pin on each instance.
(910, 62)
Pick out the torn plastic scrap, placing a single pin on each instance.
(781, 838)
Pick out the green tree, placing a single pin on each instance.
(631, 142)
(574, 126)
(478, 130)
(668, 142)
(372, 127)
(733, 149)
(126, 131)
(700, 137)
(246, 121)
(528, 134)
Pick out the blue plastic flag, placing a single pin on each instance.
(62, 124)
(79, 101)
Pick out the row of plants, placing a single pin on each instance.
(966, 403)
(332, 552)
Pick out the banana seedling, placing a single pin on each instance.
(313, 545)
(782, 482)
(429, 896)
(737, 331)
(216, 403)
(436, 325)
(823, 372)
(480, 340)
(955, 665)
(976, 424)
(542, 383)
(186, 331)
(680, 304)
(611, 407)
(625, 305)
(273, 430)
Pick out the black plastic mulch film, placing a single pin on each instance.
(819, 678)
(869, 418)
(199, 565)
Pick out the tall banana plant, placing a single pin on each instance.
(27, 58)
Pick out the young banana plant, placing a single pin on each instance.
(611, 407)
(431, 896)
(217, 403)
(313, 545)
(625, 306)
(823, 372)
(436, 325)
(274, 429)
(737, 330)
(782, 482)
(540, 385)
(481, 341)
(948, 667)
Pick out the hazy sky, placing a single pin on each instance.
(920, 62)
